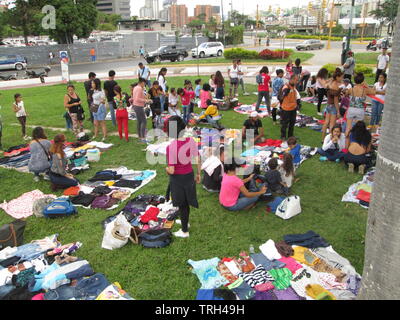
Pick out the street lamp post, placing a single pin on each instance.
(223, 21)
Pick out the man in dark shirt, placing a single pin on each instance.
(88, 88)
(254, 123)
(109, 92)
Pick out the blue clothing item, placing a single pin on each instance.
(28, 251)
(331, 109)
(250, 152)
(112, 112)
(206, 294)
(331, 154)
(197, 90)
(185, 113)
(220, 93)
(4, 290)
(242, 289)
(295, 152)
(242, 203)
(162, 103)
(274, 204)
(206, 271)
(85, 289)
(377, 109)
(277, 84)
(260, 259)
(146, 174)
(101, 113)
(310, 239)
(83, 271)
(62, 181)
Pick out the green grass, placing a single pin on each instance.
(304, 56)
(164, 273)
(367, 57)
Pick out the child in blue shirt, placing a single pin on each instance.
(277, 84)
(198, 88)
(294, 150)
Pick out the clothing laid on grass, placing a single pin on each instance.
(207, 273)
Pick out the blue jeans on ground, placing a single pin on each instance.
(85, 289)
(376, 115)
(331, 154)
(242, 203)
(112, 111)
(28, 251)
(62, 181)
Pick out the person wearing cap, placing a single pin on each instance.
(255, 124)
(349, 66)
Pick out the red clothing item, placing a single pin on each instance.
(122, 121)
(150, 214)
(15, 152)
(187, 96)
(364, 196)
(265, 85)
(180, 154)
(270, 143)
(71, 191)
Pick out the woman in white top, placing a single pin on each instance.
(233, 74)
(377, 106)
(98, 108)
(173, 99)
(333, 145)
(162, 82)
(19, 109)
(322, 81)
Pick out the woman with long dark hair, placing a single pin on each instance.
(40, 153)
(322, 81)
(121, 114)
(358, 148)
(73, 103)
(182, 181)
(220, 83)
(163, 84)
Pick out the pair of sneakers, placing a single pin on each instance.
(361, 168)
(180, 233)
(26, 138)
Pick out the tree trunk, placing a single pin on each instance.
(381, 276)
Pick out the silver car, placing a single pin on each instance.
(310, 45)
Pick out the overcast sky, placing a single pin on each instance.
(246, 6)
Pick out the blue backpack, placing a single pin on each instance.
(59, 208)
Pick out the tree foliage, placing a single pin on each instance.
(387, 11)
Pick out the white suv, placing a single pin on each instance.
(208, 49)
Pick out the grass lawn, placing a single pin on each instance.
(367, 57)
(304, 56)
(215, 232)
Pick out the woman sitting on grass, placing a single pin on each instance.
(40, 154)
(358, 147)
(333, 145)
(234, 196)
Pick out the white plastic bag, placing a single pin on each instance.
(117, 233)
(289, 207)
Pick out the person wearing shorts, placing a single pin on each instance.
(233, 73)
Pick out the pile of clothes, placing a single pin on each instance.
(107, 188)
(18, 157)
(147, 211)
(301, 267)
(247, 109)
(360, 192)
(45, 270)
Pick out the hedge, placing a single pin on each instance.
(239, 53)
(367, 71)
(315, 36)
(273, 55)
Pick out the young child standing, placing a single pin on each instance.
(20, 112)
(122, 113)
(277, 84)
(173, 99)
(294, 150)
(186, 95)
(198, 88)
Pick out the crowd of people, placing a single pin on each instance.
(349, 141)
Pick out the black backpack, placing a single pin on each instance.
(158, 238)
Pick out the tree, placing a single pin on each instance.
(195, 24)
(387, 12)
(212, 24)
(74, 17)
(202, 17)
(381, 275)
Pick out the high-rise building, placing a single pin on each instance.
(151, 9)
(121, 7)
(165, 13)
(205, 10)
(179, 15)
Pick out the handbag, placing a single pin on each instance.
(289, 208)
(94, 108)
(12, 234)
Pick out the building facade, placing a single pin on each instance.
(151, 10)
(205, 10)
(179, 15)
(121, 7)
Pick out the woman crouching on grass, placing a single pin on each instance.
(182, 182)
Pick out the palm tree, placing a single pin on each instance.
(381, 276)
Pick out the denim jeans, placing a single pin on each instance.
(112, 112)
(185, 113)
(85, 289)
(376, 115)
(242, 203)
(331, 154)
(219, 94)
(62, 181)
(162, 103)
(28, 251)
(4, 290)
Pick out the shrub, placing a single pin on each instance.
(272, 55)
(367, 71)
(239, 53)
(306, 36)
(331, 68)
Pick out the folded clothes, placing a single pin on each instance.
(83, 199)
(309, 239)
(131, 184)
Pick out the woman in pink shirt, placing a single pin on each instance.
(138, 102)
(205, 94)
(234, 196)
(182, 182)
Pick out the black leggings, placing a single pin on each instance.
(321, 92)
(274, 112)
(184, 213)
(22, 121)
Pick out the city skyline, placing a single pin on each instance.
(246, 6)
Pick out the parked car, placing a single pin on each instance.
(310, 45)
(172, 53)
(15, 62)
(208, 49)
(384, 43)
